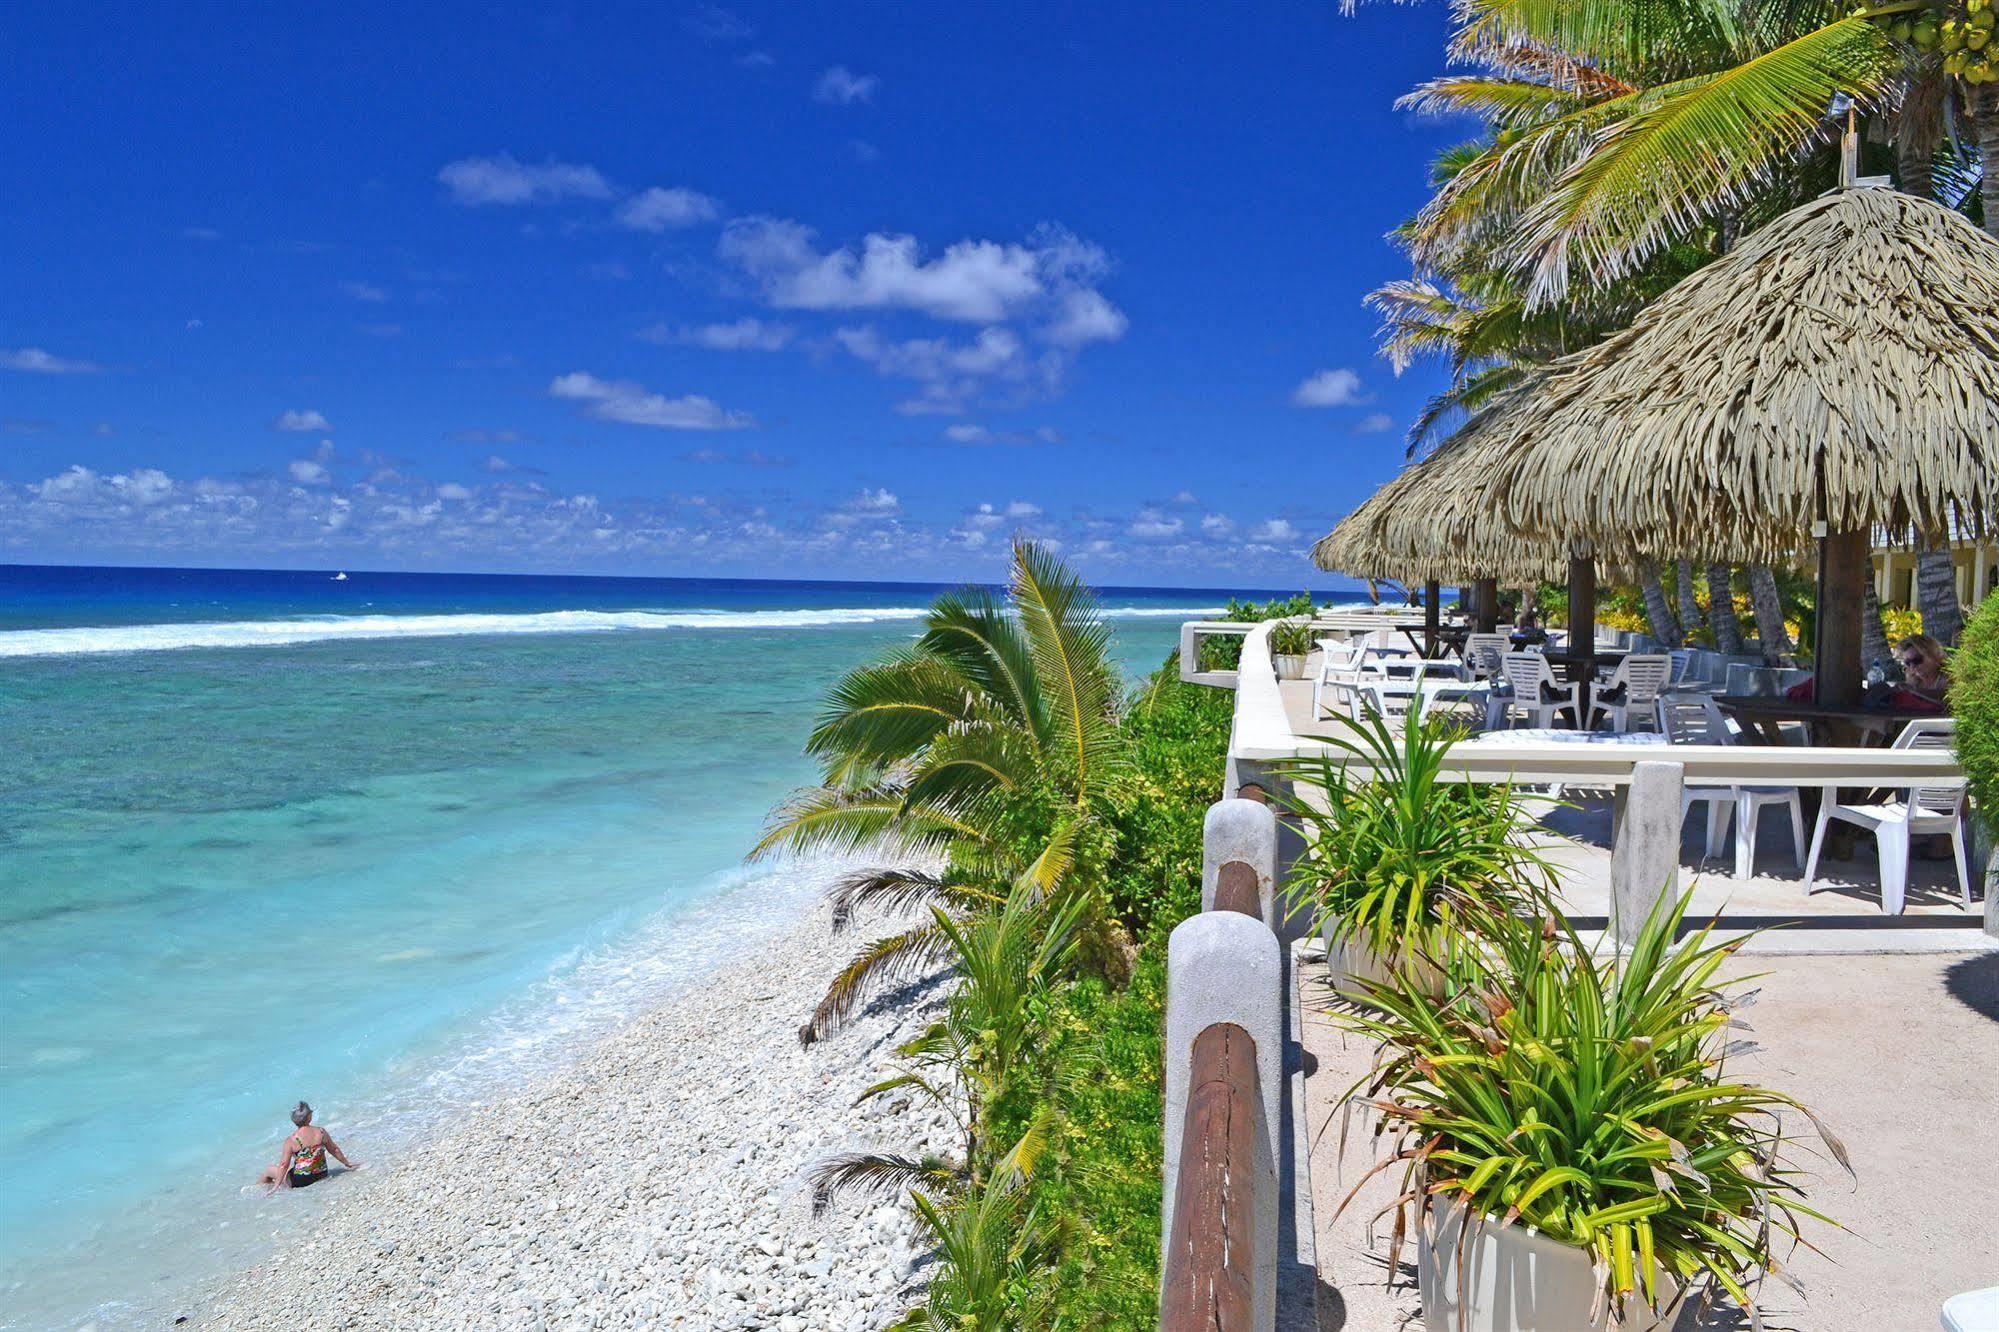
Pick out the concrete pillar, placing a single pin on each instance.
(1645, 845)
(1224, 967)
(1244, 830)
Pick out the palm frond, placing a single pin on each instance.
(837, 820)
(983, 644)
(893, 958)
(1691, 149)
(1070, 642)
(887, 711)
(897, 889)
(875, 1175)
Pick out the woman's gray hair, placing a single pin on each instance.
(301, 1114)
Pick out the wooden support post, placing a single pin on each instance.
(1485, 605)
(1582, 603)
(1432, 616)
(1845, 558)
(1210, 1264)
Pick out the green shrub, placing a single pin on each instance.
(1974, 700)
(1225, 654)
(1291, 640)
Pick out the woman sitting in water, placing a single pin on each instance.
(304, 1161)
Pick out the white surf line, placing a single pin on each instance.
(99, 639)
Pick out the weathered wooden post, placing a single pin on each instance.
(1645, 845)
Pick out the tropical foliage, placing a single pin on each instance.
(1591, 1100)
(1047, 1062)
(982, 754)
(1974, 701)
(1225, 654)
(1394, 857)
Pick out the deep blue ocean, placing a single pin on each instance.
(386, 842)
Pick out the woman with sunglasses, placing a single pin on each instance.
(1922, 669)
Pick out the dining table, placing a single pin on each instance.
(1762, 718)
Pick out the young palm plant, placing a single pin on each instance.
(973, 1058)
(1593, 1102)
(984, 750)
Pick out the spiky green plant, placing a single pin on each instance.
(1394, 853)
(1591, 1100)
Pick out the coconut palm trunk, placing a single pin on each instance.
(1658, 610)
(1721, 610)
(1768, 604)
(1984, 101)
(1691, 622)
(1936, 592)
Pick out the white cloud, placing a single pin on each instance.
(451, 490)
(35, 361)
(978, 281)
(308, 473)
(1022, 509)
(1217, 524)
(495, 463)
(297, 420)
(1374, 423)
(364, 291)
(747, 334)
(502, 180)
(661, 210)
(880, 501)
(1328, 388)
(1083, 317)
(200, 234)
(1276, 529)
(1153, 523)
(967, 434)
(622, 400)
(840, 86)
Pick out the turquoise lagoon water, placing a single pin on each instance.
(387, 844)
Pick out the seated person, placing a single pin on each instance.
(1527, 630)
(1924, 681)
(304, 1161)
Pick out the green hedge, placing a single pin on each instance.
(1106, 1046)
(1974, 700)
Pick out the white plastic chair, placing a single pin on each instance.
(1536, 692)
(1693, 719)
(1392, 705)
(1339, 671)
(1482, 654)
(1923, 810)
(1632, 689)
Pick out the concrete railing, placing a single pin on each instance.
(1224, 1072)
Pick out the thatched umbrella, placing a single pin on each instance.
(1430, 522)
(1836, 372)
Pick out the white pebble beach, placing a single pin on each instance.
(657, 1181)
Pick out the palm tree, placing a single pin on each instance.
(1721, 610)
(1658, 611)
(982, 750)
(1768, 603)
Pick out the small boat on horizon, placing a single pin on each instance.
(340, 577)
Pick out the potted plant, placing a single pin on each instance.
(1290, 644)
(1395, 852)
(1576, 1151)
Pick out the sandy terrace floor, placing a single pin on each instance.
(1899, 1054)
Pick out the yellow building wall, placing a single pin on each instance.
(1977, 573)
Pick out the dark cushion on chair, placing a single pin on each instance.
(1554, 694)
(1611, 698)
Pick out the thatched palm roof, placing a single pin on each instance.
(1430, 522)
(1842, 362)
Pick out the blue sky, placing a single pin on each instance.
(783, 290)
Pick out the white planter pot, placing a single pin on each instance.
(1349, 960)
(1289, 667)
(1514, 1280)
